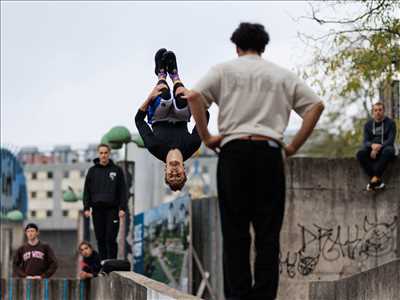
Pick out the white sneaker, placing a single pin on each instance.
(380, 186)
(369, 187)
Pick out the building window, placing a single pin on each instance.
(49, 194)
(33, 194)
(33, 213)
(66, 174)
(33, 176)
(65, 213)
(49, 175)
(49, 213)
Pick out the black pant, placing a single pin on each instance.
(251, 188)
(106, 227)
(375, 167)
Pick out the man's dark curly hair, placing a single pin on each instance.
(250, 36)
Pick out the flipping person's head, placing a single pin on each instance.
(85, 249)
(103, 150)
(378, 111)
(31, 231)
(250, 37)
(175, 175)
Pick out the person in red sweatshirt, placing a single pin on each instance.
(34, 260)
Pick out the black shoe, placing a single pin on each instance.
(169, 60)
(159, 61)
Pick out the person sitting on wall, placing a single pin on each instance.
(378, 146)
(34, 259)
(90, 264)
(168, 138)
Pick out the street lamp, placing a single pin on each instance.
(15, 216)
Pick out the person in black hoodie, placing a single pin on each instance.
(105, 193)
(168, 138)
(90, 264)
(378, 146)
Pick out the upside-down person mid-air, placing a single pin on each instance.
(168, 138)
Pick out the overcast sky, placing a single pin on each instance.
(72, 70)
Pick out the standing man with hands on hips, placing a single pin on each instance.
(105, 199)
(255, 98)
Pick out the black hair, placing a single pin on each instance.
(31, 225)
(250, 36)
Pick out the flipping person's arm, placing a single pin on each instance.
(144, 129)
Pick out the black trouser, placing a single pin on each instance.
(375, 167)
(251, 188)
(106, 227)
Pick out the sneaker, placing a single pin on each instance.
(169, 60)
(159, 61)
(370, 187)
(380, 185)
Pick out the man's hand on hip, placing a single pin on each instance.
(290, 150)
(213, 142)
(87, 213)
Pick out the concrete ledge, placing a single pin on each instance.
(118, 285)
(129, 285)
(381, 283)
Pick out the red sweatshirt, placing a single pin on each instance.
(38, 260)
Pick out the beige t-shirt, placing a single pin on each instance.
(255, 97)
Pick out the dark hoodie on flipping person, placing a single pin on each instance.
(383, 132)
(105, 187)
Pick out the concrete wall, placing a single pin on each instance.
(333, 227)
(381, 283)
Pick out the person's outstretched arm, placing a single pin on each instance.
(86, 192)
(144, 129)
(122, 192)
(200, 116)
(195, 133)
(310, 119)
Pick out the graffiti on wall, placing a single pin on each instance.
(318, 243)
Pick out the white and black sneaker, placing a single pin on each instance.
(370, 187)
(379, 186)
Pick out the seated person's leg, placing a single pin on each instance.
(387, 154)
(363, 156)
